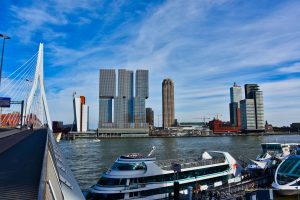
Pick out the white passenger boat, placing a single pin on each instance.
(272, 154)
(287, 176)
(134, 176)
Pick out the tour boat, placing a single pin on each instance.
(287, 176)
(272, 154)
(134, 176)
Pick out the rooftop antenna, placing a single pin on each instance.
(152, 150)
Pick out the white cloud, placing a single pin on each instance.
(295, 68)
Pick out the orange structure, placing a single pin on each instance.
(217, 126)
(10, 119)
(14, 119)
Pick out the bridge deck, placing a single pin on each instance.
(21, 159)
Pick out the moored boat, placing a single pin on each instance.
(272, 155)
(287, 176)
(134, 176)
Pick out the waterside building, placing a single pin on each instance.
(81, 114)
(123, 113)
(252, 109)
(168, 103)
(234, 106)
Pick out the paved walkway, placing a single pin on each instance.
(21, 159)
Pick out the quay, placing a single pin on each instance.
(94, 135)
(33, 167)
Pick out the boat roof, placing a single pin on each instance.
(278, 143)
(291, 166)
(135, 156)
(190, 162)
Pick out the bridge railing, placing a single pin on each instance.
(49, 187)
(57, 181)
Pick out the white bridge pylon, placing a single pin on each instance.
(39, 81)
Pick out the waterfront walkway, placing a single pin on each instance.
(21, 159)
(33, 167)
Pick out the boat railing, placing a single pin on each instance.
(136, 186)
(188, 163)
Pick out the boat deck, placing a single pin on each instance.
(188, 163)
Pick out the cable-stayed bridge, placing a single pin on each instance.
(26, 90)
(31, 163)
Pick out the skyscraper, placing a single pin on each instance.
(107, 91)
(139, 111)
(141, 84)
(125, 83)
(252, 109)
(249, 89)
(234, 106)
(141, 93)
(168, 103)
(81, 113)
(123, 114)
(129, 110)
(150, 116)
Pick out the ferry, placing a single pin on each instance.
(134, 176)
(287, 176)
(272, 154)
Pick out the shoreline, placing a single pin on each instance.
(72, 136)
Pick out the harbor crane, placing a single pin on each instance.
(202, 118)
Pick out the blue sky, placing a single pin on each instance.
(203, 45)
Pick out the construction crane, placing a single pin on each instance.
(216, 115)
(202, 118)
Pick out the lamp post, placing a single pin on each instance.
(5, 37)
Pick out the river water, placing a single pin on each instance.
(88, 158)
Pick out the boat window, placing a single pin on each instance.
(209, 182)
(290, 167)
(111, 181)
(271, 147)
(133, 194)
(129, 166)
(284, 179)
(123, 181)
(184, 175)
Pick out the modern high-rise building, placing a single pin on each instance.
(234, 106)
(249, 88)
(150, 116)
(252, 109)
(129, 110)
(141, 84)
(123, 113)
(168, 103)
(235, 93)
(81, 113)
(139, 111)
(107, 91)
(125, 83)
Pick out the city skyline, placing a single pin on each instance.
(127, 105)
(204, 46)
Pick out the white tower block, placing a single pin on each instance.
(39, 81)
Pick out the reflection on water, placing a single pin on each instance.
(88, 158)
